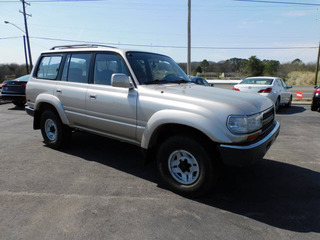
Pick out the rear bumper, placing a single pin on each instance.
(12, 96)
(242, 155)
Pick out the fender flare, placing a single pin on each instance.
(53, 101)
(163, 117)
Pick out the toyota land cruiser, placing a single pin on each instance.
(146, 99)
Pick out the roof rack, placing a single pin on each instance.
(80, 46)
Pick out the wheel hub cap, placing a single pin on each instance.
(51, 129)
(183, 167)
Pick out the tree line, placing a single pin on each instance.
(10, 71)
(231, 68)
(241, 68)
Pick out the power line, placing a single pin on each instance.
(50, 1)
(290, 3)
(176, 47)
(5, 38)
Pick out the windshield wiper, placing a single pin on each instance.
(182, 81)
(157, 81)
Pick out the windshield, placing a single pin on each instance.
(257, 81)
(152, 68)
(23, 78)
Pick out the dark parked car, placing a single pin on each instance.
(14, 90)
(200, 81)
(315, 105)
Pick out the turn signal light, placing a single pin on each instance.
(267, 90)
(253, 136)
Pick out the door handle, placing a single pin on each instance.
(59, 91)
(93, 96)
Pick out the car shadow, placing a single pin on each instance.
(291, 110)
(119, 155)
(275, 193)
(4, 102)
(15, 108)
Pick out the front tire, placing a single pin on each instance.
(55, 134)
(186, 166)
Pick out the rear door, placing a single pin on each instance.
(72, 88)
(286, 92)
(283, 91)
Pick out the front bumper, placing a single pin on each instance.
(242, 155)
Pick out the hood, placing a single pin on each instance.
(210, 97)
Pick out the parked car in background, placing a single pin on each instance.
(315, 104)
(200, 81)
(272, 87)
(14, 90)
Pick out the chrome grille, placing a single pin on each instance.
(268, 117)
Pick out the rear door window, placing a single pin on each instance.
(49, 67)
(76, 68)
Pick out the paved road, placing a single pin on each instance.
(98, 189)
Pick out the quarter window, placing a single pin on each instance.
(49, 67)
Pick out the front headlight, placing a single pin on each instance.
(238, 124)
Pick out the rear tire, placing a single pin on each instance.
(186, 166)
(277, 104)
(55, 134)
(19, 103)
(289, 103)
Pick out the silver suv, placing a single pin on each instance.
(146, 99)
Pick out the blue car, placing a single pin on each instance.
(15, 90)
(200, 81)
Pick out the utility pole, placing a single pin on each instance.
(317, 68)
(25, 53)
(189, 39)
(26, 27)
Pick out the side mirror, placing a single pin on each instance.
(289, 87)
(121, 80)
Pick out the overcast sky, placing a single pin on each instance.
(221, 29)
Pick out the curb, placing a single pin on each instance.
(306, 101)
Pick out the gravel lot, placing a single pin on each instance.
(99, 189)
